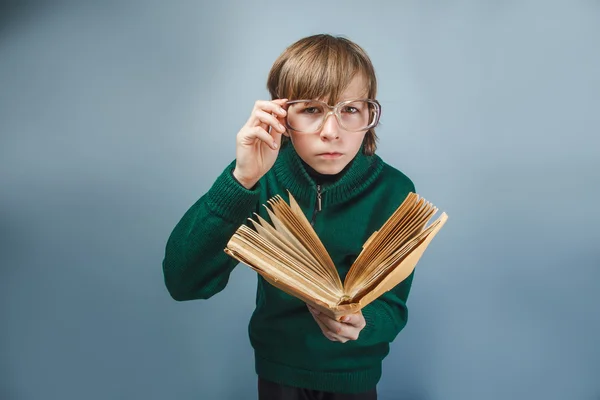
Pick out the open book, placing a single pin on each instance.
(290, 255)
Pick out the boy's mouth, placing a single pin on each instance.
(333, 154)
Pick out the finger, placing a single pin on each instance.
(331, 324)
(342, 332)
(328, 334)
(275, 106)
(259, 133)
(280, 102)
(284, 106)
(262, 117)
(280, 112)
(323, 327)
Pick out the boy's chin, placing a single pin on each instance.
(329, 168)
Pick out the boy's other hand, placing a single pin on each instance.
(348, 328)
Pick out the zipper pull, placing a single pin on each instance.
(318, 197)
(318, 207)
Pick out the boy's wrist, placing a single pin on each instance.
(244, 182)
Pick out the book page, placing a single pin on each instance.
(383, 267)
(390, 244)
(292, 236)
(250, 248)
(295, 220)
(375, 240)
(285, 236)
(393, 238)
(301, 259)
(397, 273)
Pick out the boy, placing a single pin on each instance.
(316, 139)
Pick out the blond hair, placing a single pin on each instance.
(321, 67)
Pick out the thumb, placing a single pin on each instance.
(351, 319)
(276, 137)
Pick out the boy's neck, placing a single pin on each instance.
(320, 178)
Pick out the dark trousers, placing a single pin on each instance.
(273, 391)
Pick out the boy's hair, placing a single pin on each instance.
(321, 67)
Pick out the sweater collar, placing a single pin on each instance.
(292, 174)
(323, 179)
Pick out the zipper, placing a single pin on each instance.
(317, 205)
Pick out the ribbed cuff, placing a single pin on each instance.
(380, 326)
(229, 199)
(372, 315)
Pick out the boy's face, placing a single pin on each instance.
(329, 150)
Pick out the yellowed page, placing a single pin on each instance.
(303, 232)
(384, 267)
(390, 245)
(286, 262)
(399, 228)
(376, 240)
(288, 242)
(281, 228)
(404, 268)
(295, 207)
(262, 255)
(300, 262)
(301, 243)
(392, 232)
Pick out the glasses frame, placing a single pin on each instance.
(335, 110)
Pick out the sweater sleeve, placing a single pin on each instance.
(387, 315)
(195, 265)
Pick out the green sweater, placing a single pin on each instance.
(288, 344)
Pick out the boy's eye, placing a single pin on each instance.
(311, 110)
(350, 110)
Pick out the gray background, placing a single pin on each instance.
(115, 117)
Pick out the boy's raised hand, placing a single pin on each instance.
(258, 142)
(348, 329)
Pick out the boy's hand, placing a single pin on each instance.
(257, 143)
(348, 329)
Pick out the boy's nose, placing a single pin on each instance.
(330, 128)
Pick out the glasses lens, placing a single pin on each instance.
(358, 115)
(305, 116)
(308, 116)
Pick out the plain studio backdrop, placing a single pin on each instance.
(115, 117)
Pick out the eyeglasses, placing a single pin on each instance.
(308, 116)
